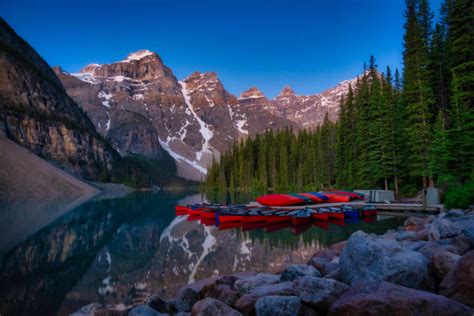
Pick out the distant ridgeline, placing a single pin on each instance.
(399, 133)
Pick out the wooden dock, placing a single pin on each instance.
(399, 208)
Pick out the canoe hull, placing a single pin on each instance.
(336, 215)
(300, 220)
(320, 216)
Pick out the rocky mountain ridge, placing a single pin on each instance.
(141, 107)
(37, 113)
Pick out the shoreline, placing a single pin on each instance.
(423, 261)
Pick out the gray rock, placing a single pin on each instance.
(211, 307)
(245, 285)
(413, 245)
(441, 263)
(404, 235)
(159, 304)
(442, 228)
(282, 289)
(319, 292)
(278, 306)
(459, 282)
(372, 258)
(383, 298)
(144, 310)
(294, 271)
(454, 213)
(189, 296)
(458, 245)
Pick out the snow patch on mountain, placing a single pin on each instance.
(207, 247)
(204, 129)
(179, 158)
(137, 55)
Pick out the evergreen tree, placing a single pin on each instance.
(417, 93)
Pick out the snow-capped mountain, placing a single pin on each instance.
(309, 111)
(141, 107)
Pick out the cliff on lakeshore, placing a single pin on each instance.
(424, 267)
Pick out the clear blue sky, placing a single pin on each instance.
(309, 45)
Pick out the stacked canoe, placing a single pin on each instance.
(307, 198)
(221, 214)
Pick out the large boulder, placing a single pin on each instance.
(459, 283)
(325, 260)
(406, 236)
(372, 258)
(319, 292)
(384, 298)
(442, 228)
(415, 223)
(441, 263)
(247, 284)
(167, 306)
(246, 303)
(294, 271)
(222, 292)
(189, 296)
(211, 307)
(144, 310)
(458, 245)
(278, 306)
(197, 287)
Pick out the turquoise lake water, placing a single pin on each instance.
(117, 252)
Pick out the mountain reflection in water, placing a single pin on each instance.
(117, 252)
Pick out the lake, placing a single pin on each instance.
(116, 252)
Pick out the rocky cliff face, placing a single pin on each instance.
(140, 106)
(309, 111)
(38, 113)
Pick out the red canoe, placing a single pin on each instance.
(336, 215)
(181, 210)
(351, 195)
(224, 218)
(320, 216)
(254, 218)
(336, 197)
(229, 225)
(208, 214)
(271, 227)
(274, 218)
(194, 217)
(298, 229)
(208, 221)
(339, 222)
(300, 220)
(282, 199)
(313, 197)
(323, 225)
(253, 225)
(367, 213)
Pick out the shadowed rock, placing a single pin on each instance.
(372, 258)
(383, 298)
(459, 283)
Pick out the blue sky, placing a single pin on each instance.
(309, 45)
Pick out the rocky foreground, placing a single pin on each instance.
(423, 268)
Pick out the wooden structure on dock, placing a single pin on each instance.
(400, 208)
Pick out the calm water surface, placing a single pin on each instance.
(116, 252)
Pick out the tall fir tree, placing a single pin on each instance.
(417, 92)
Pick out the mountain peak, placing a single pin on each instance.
(138, 55)
(89, 68)
(252, 93)
(287, 90)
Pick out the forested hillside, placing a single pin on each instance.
(395, 131)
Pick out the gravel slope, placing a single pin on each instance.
(33, 193)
